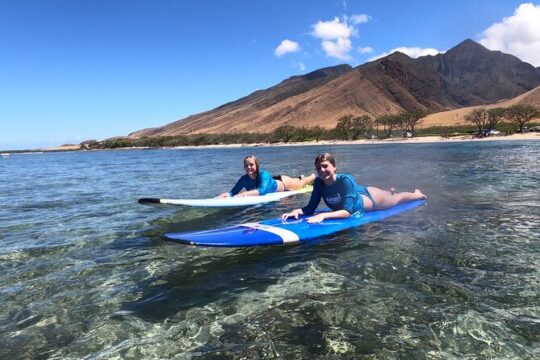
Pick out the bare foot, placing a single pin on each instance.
(420, 195)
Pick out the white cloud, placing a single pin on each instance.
(365, 50)
(302, 66)
(339, 48)
(286, 46)
(360, 19)
(332, 30)
(518, 34)
(336, 34)
(413, 52)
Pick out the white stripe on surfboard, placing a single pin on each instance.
(286, 235)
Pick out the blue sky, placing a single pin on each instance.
(73, 70)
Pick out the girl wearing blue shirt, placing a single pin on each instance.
(259, 182)
(344, 196)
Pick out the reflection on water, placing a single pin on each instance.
(85, 272)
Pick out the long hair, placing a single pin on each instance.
(324, 157)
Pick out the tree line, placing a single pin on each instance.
(519, 115)
(348, 127)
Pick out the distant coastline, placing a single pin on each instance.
(414, 140)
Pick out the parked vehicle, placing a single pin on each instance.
(489, 132)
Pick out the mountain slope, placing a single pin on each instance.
(473, 73)
(457, 117)
(225, 116)
(466, 75)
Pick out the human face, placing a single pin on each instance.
(326, 171)
(250, 167)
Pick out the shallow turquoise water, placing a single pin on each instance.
(84, 272)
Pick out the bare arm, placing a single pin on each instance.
(338, 214)
(315, 219)
(248, 193)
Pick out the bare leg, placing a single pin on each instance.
(387, 199)
(290, 183)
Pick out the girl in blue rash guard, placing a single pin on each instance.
(260, 182)
(344, 196)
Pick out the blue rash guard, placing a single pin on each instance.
(264, 184)
(344, 194)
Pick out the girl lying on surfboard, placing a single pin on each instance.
(344, 196)
(259, 182)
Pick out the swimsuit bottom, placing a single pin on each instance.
(364, 191)
(280, 178)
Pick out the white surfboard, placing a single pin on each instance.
(229, 201)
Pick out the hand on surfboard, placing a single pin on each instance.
(295, 213)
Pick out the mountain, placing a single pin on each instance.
(466, 75)
(475, 74)
(457, 117)
(225, 116)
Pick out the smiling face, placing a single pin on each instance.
(251, 166)
(326, 171)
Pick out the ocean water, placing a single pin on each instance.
(85, 273)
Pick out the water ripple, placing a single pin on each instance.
(87, 274)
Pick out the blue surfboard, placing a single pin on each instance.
(277, 232)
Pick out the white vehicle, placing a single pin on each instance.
(493, 132)
(490, 132)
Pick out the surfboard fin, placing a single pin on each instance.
(149, 201)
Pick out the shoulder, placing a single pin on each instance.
(264, 174)
(346, 179)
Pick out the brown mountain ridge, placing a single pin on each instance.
(464, 76)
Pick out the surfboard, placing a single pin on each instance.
(230, 201)
(278, 232)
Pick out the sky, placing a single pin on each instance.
(76, 70)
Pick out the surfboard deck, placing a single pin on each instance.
(228, 202)
(277, 232)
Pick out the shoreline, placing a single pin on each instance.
(414, 140)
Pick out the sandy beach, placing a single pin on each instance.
(421, 139)
(414, 140)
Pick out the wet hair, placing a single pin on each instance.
(325, 157)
